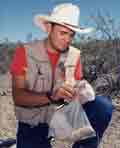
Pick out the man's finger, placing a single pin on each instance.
(68, 88)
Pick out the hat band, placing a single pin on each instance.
(66, 24)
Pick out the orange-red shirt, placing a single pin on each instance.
(54, 57)
(19, 63)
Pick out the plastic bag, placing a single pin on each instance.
(70, 123)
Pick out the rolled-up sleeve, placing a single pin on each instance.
(19, 64)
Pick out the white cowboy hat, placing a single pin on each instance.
(66, 14)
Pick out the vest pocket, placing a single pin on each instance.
(39, 77)
(41, 84)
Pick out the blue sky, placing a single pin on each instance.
(16, 15)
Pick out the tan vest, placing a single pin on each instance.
(40, 79)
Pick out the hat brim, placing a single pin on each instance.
(42, 20)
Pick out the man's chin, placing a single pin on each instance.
(62, 49)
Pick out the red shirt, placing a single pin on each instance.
(19, 63)
(53, 59)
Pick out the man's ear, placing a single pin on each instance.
(48, 27)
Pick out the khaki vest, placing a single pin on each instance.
(40, 79)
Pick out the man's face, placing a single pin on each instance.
(60, 37)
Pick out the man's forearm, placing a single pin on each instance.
(23, 97)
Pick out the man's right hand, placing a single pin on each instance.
(66, 91)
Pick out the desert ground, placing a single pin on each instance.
(111, 138)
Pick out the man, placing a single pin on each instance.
(38, 80)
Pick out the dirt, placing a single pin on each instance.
(111, 137)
